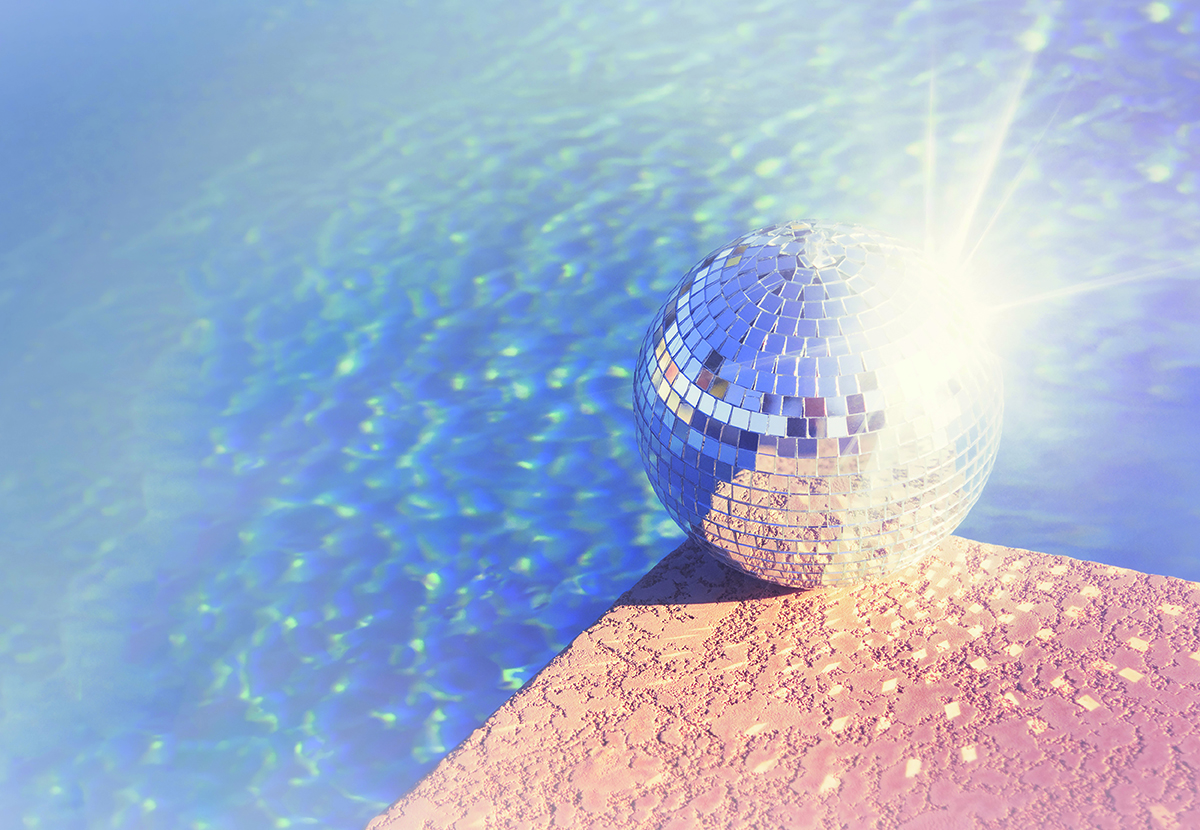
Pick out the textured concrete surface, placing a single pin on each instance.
(987, 687)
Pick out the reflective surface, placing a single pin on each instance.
(815, 406)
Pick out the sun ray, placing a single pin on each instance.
(1135, 275)
(1016, 180)
(929, 158)
(953, 251)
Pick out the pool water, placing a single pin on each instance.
(319, 324)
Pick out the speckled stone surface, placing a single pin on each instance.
(987, 687)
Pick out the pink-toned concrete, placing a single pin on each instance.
(987, 687)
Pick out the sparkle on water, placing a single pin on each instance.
(321, 317)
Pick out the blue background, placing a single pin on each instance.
(318, 321)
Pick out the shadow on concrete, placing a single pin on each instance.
(688, 575)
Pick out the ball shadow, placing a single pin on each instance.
(688, 575)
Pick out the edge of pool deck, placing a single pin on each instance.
(985, 687)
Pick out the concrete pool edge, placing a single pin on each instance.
(986, 686)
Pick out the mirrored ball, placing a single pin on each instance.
(815, 404)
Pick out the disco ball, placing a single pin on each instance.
(815, 406)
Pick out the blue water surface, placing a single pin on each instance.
(319, 321)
